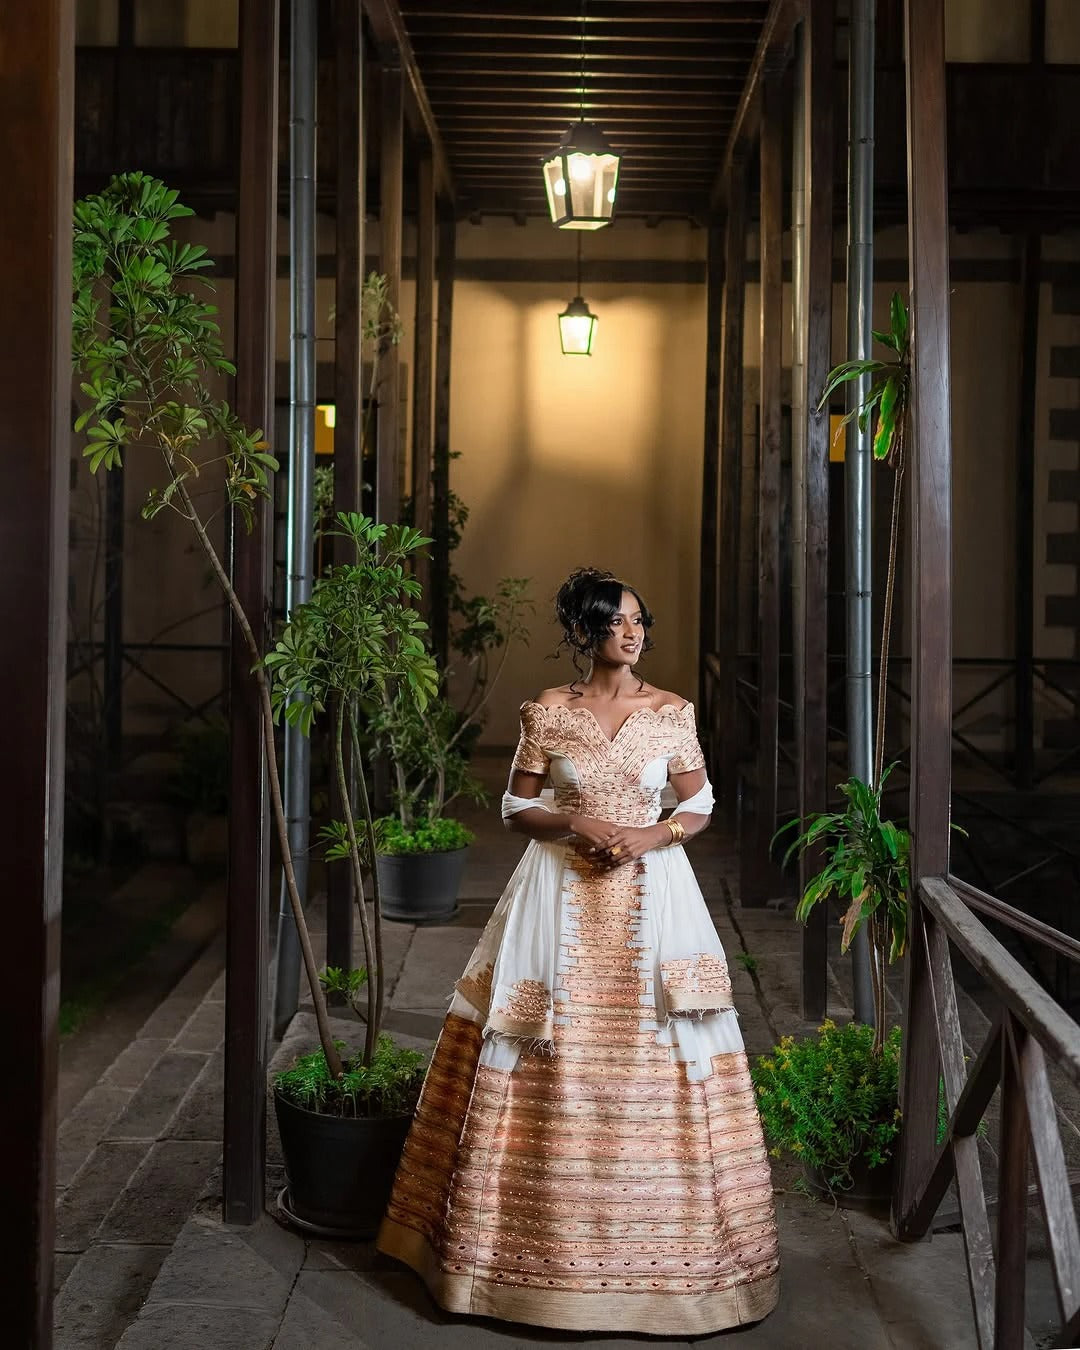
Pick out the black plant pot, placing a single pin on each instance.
(870, 1191)
(340, 1170)
(421, 887)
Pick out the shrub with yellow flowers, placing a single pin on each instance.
(830, 1101)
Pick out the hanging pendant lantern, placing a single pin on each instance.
(581, 177)
(577, 328)
(577, 322)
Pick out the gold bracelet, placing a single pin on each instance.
(678, 834)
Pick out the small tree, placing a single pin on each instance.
(339, 653)
(148, 346)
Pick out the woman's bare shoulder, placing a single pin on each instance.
(664, 698)
(553, 698)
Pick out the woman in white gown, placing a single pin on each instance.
(587, 1151)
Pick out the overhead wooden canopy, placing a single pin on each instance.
(662, 78)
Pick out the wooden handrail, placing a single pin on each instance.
(1029, 1026)
(1018, 991)
(1016, 919)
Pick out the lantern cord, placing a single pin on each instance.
(579, 242)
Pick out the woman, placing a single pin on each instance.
(587, 1152)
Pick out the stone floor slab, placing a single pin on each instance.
(192, 1327)
(131, 1067)
(93, 1192)
(210, 1264)
(155, 1102)
(81, 1132)
(204, 1031)
(161, 1195)
(436, 959)
(201, 1113)
(306, 1326)
(103, 1294)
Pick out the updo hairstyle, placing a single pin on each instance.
(586, 606)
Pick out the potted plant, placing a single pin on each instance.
(357, 636)
(147, 345)
(843, 1135)
(831, 1102)
(421, 851)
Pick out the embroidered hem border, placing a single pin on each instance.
(667, 1314)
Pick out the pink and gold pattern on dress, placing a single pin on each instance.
(598, 1187)
(526, 1011)
(696, 984)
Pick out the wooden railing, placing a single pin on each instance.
(1028, 1030)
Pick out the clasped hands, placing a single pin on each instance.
(615, 844)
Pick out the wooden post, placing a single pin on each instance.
(1024, 569)
(247, 950)
(440, 579)
(348, 382)
(391, 184)
(760, 873)
(710, 479)
(423, 365)
(818, 40)
(731, 439)
(1009, 1320)
(930, 456)
(37, 58)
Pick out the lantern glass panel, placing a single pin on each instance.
(593, 180)
(576, 333)
(555, 185)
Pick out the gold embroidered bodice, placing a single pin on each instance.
(619, 779)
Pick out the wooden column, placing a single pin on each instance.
(37, 58)
(440, 579)
(760, 874)
(818, 39)
(348, 381)
(423, 362)
(731, 438)
(1024, 569)
(710, 473)
(248, 903)
(930, 460)
(391, 184)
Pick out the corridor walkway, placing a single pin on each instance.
(845, 1283)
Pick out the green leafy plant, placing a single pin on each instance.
(356, 637)
(831, 1099)
(867, 868)
(429, 748)
(386, 1086)
(147, 346)
(440, 835)
(748, 962)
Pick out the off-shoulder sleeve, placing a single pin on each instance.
(529, 756)
(688, 755)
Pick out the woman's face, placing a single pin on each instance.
(623, 646)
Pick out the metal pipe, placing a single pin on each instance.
(798, 363)
(858, 459)
(300, 523)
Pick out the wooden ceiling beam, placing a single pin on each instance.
(600, 12)
(395, 49)
(443, 54)
(773, 53)
(666, 29)
(557, 116)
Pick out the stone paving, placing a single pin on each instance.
(147, 1264)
